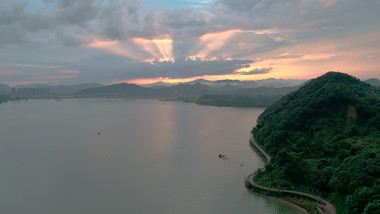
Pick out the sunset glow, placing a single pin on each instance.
(161, 49)
(211, 42)
(145, 41)
(115, 47)
(155, 80)
(102, 44)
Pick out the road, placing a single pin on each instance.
(329, 207)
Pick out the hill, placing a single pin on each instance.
(200, 93)
(373, 81)
(125, 90)
(4, 89)
(236, 100)
(245, 97)
(237, 84)
(122, 90)
(325, 138)
(71, 89)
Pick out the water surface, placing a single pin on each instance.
(127, 156)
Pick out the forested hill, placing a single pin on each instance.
(325, 138)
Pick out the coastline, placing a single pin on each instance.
(285, 194)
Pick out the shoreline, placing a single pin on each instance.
(291, 203)
(282, 193)
(266, 158)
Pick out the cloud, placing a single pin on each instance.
(72, 36)
(110, 39)
(211, 42)
(76, 12)
(32, 73)
(249, 71)
(120, 20)
(113, 67)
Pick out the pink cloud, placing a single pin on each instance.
(70, 71)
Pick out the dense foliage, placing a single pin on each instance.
(325, 138)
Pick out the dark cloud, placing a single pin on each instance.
(76, 12)
(11, 34)
(297, 14)
(185, 22)
(122, 20)
(119, 19)
(115, 67)
(267, 29)
(73, 36)
(19, 73)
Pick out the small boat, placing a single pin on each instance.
(223, 156)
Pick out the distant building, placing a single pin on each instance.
(30, 92)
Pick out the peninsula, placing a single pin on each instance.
(324, 139)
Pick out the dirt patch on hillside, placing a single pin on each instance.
(351, 111)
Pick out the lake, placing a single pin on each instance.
(111, 156)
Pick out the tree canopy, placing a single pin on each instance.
(325, 138)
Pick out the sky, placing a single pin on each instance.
(64, 42)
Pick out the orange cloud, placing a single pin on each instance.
(161, 49)
(116, 47)
(158, 79)
(211, 42)
(155, 49)
(102, 44)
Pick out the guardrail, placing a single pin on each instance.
(250, 179)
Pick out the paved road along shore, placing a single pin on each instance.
(330, 208)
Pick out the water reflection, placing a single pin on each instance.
(151, 157)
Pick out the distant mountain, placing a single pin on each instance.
(374, 82)
(71, 89)
(325, 138)
(237, 100)
(202, 81)
(61, 89)
(279, 83)
(158, 84)
(124, 90)
(196, 92)
(4, 89)
(246, 97)
(236, 84)
(266, 90)
(227, 81)
(186, 91)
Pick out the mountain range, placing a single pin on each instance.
(259, 93)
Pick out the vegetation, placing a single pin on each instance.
(245, 97)
(227, 95)
(4, 98)
(237, 100)
(325, 138)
